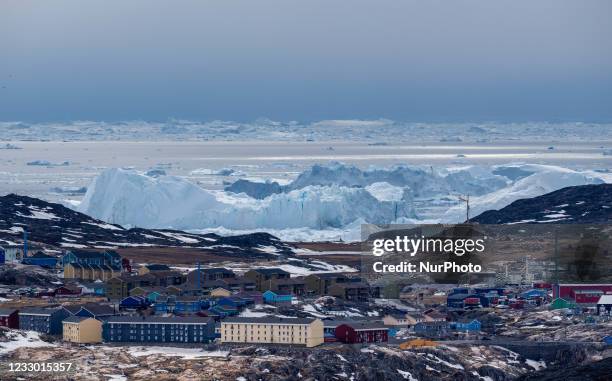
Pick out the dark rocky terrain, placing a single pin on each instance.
(585, 204)
(57, 226)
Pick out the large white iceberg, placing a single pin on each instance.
(130, 198)
(323, 198)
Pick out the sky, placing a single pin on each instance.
(428, 60)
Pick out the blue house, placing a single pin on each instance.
(473, 326)
(234, 301)
(432, 329)
(162, 306)
(278, 297)
(156, 329)
(222, 311)
(187, 305)
(96, 311)
(133, 303)
(534, 294)
(43, 320)
(40, 259)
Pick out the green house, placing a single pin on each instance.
(561, 303)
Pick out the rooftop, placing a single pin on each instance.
(37, 311)
(269, 320)
(160, 319)
(75, 319)
(270, 271)
(7, 311)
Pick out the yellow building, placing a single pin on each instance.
(221, 292)
(272, 330)
(83, 330)
(90, 272)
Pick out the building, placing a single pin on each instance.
(604, 305)
(278, 297)
(329, 329)
(206, 275)
(587, 297)
(119, 287)
(155, 329)
(82, 330)
(255, 297)
(12, 253)
(96, 311)
(168, 278)
(186, 289)
(581, 293)
(9, 317)
(220, 292)
(354, 291)
(403, 320)
(473, 326)
(187, 305)
(91, 265)
(560, 303)
(93, 288)
(295, 286)
(222, 311)
(133, 303)
(456, 301)
(270, 330)
(152, 267)
(362, 332)
(238, 284)
(68, 290)
(43, 320)
(151, 293)
(40, 259)
(263, 277)
(319, 284)
(432, 329)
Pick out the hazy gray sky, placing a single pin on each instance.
(306, 60)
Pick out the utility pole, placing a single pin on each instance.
(466, 199)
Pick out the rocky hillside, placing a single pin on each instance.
(585, 204)
(55, 225)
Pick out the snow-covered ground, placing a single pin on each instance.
(21, 339)
(185, 353)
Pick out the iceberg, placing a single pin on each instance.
(544, 179)
(335, 199)
(129, 198)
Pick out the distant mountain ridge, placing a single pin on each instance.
(56, 225)
(584, 204)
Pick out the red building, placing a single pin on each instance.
(581, 293)
(587, 296)
(68, 291)
(542, 285)
(359, 332)
(9, 317)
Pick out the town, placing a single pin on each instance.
(103, 298)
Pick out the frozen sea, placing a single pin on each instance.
(55, 170)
